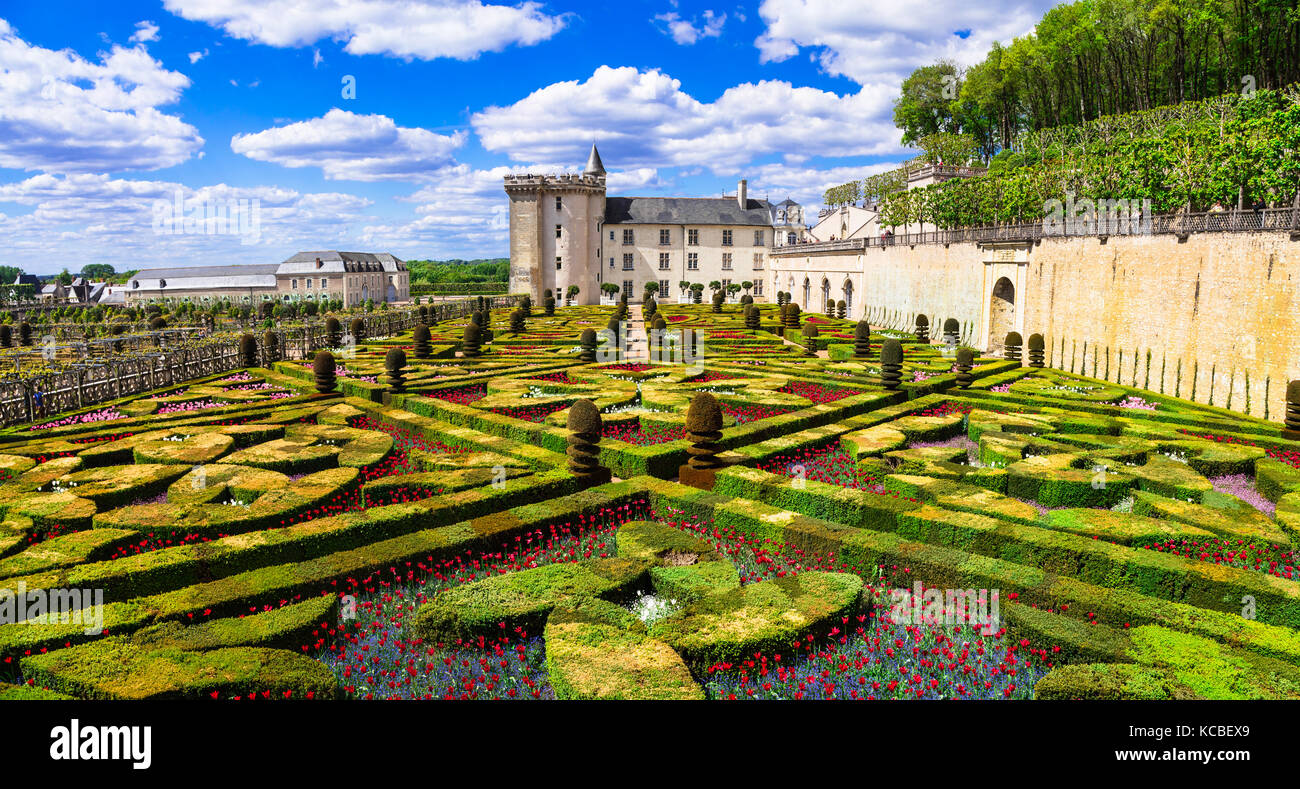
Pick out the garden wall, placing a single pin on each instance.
(1212, 318)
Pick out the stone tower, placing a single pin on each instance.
(555, 226)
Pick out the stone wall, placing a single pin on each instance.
(1213, 318)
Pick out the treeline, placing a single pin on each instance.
(456, 270)
(1094, 58)
(1231, 151)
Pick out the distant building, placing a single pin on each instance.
(565, 231)
(351, 277)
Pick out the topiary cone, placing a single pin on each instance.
(549, 305)
(247, 350)
(587, 343)
(965, 361)
(1036, 348)
(322, 368)
(841, 309)
(922, 328)
(271, 342)
(891, 363)
(469, 343)
(862, 340)
(421, 339)
(704, 430)
(584, 424)
(752, 319)
(792, 316)
(1011, 347)
(394, 362)
(517, 321)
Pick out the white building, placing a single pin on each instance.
(565, 231)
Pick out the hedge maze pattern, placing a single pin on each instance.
(416, 529)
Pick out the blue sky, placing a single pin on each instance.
(106, 109)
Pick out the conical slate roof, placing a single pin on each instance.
(594, 165)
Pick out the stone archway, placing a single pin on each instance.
(807, 294)
(1002, 313)
(848, 297)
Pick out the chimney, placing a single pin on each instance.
(742, 194)
(317, 262)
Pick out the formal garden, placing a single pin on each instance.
(714, 501)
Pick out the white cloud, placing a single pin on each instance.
(460, 29)
(644, 119)
(884, 42)
(144, 31)
(805, 185)
(352, 147)
(96, 217)
(195, 57)
(688, 31)
(62, 113)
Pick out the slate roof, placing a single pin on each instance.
(254, 275)
(332, 260)
(686, 211)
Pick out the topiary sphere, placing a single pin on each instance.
(395, 359)
(951, 326)
(155, 324)
(1035, 342)
(891, 352)
(809, 330)
(358, 328)
(1013, 338)
(965, 356)
(922, 321)
(659, 323)
(704, 414)
(584, 417)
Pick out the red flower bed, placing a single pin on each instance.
(817, 393)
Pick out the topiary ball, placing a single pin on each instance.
(1013, 338)
(965, 356)
(584, 418)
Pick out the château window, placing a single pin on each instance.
(760, 238)
(558, 232)
(559, 204)
(726, 238)
(693, 261)
(559, 263)
(726, 261)
(628, 237)
(664, 261)
(758, 261)
(665, 237)
(627, 262)
(693, 238)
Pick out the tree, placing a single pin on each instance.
(97, 271)
(747, 285)
(64, 277)
(925, 104)
(685, 286)
(715, 285)
(733, 289)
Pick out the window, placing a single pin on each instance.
(293, 284)
(559, 204)
(760, 238)
(758, 261)
(726, 238)
(324, 283)
(627, 288)
(611, 262)
(726, 261)
(309, 283)
(558, 234)
(693, 261)
(627, 262)
(627, 236)
(665, 237)
(758, 287)
(693, 237)
(559, 263)
(663, 287)
(726, 283)
(611, 235)
(790, 238)
(664, 261)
